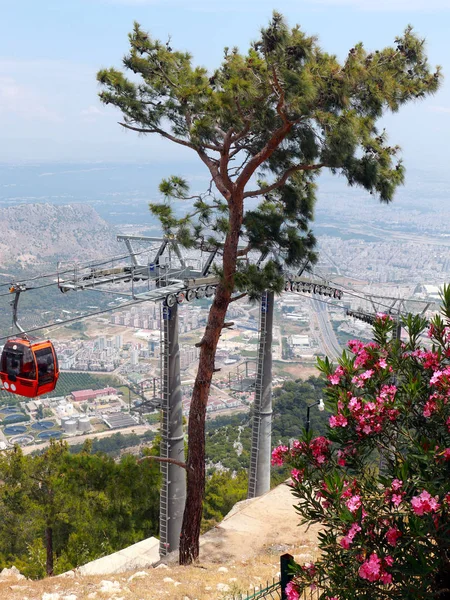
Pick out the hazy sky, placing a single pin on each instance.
(50, 51)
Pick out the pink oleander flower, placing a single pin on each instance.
(278, 455)
(383, 316)
(367, 374)
(297, 475)
(353, 503)
(310, 568)
(371, 569)
(341, 458)
(397, 499)
(291, 591)
(335, 377)
(435, 379)
(362, 358)
(347, 540)
(355, 346)
(430, 407)
(430, 360)
(424, 503)
(320, 448)
(360, 383)
(298, 447)
(382, 363)
(338, 421)
(394, 493)
(447, 498)
(392, 536)
(354, 404)
(386, 578)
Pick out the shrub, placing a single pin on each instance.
(379, 480)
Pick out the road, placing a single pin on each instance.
(329, 341)
(79, 439)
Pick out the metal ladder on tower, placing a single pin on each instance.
(165, 415)
(254, 452)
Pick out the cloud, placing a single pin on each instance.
(90, 110)
(51, 174)
(23, 101)
(366, 5)
(90, 114)
(391, 5)
(440, 109)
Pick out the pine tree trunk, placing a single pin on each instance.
(49, 550)
(195, 464)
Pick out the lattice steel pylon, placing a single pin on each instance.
(173, 485)
(259, 470)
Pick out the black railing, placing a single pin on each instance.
(277, 589)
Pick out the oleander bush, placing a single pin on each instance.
(379, 479)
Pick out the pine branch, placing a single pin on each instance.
(244, 251)
(172, 461)
(170, 137)
(213, 167)
(265, 153)
(238, 297)
(225, 158)
(282, 180)
(161, 132)
(281, 96)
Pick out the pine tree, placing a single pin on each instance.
(264, 124)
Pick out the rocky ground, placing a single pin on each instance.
(241, 554)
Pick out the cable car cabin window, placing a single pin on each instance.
(18, 362)
(46, 365)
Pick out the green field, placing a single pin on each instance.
(67, 383)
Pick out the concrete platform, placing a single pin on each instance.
(138, 556)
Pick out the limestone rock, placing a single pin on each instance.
(138, 575)
(109, 586)
(51, 596)
(12, 572)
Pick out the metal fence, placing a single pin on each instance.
(271, 592)
(276, 590)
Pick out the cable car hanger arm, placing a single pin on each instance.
(17, 289)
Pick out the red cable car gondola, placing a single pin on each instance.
(27, 368)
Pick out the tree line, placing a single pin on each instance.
(59, 510)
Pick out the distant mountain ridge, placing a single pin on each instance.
(34, 235)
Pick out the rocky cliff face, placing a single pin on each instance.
(33, 235)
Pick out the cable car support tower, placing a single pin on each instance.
(169, 280)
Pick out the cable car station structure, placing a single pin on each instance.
(170, 278)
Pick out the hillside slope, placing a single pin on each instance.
(38, 234)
